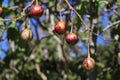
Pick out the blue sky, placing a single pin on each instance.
(4, 45)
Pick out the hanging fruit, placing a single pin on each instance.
(26, 34)
(60, 27)
(71, 38)
(37, 11)
(88, 64)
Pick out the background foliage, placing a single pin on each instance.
(48, 56)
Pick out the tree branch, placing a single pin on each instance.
(116, 12)
(85, 26)
(22, 13)
(24, 9)
(111, 25)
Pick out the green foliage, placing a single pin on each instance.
(47, 56)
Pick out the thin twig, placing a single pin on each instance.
(60, 15)
(4, 20)
(85, 26)
(24, 9)
(89, 45)
(71, 21)
(111, 25)
(30, 4)
(36, 2)
(22, 13)
(116, 12)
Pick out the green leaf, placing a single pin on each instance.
(2, 29)
(101, 5)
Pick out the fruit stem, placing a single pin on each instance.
(71, 20)
(60, 15)
(28, 23)
(89, 45)
(36, 2)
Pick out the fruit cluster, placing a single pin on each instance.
(36, 11)
(60, 28)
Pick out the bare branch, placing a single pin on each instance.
(111, 25)
(116, 12)
(85, 26)
(22, 13)
(24, 9)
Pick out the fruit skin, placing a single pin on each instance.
(60, 27)
(26, 34)
(71, 38)
(36, 11)
(1, 10)
(88, 64)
